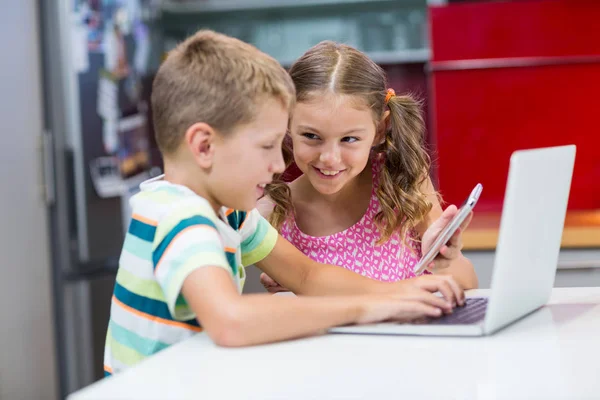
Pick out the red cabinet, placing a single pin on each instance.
(514, 75)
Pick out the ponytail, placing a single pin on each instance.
(405, 168)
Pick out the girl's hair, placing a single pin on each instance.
(330, 67)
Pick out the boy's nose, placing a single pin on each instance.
(278, 165)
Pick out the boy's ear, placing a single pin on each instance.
(382, 128)
(200, 139)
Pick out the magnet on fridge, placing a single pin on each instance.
(106, 177)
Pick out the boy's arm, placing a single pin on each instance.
(292, 269)
(233, 320)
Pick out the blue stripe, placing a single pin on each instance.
(231, 261)
(146, 305)
(236, 219)
(134, 341)
(232, 219)
(142, 230)
(241, 218)
(195, 220)
(107, 374)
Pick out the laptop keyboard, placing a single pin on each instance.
(473, 311)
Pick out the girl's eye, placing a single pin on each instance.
(269, 147)
(350, 139)
(311, 136)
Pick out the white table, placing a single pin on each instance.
(552, 354)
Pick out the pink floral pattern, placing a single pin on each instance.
(355, 248)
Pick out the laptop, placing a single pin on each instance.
(533, 216)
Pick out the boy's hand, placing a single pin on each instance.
(405, 307)
(271, 285)
(409, 289)
(444, 284)
(451, 250)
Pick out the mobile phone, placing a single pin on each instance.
(448, 231)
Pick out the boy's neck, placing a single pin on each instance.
(178, 173)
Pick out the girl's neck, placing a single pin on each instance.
(323, 215)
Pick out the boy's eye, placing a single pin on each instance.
(311, 136)
(350, 139)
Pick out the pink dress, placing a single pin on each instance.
(355, 248)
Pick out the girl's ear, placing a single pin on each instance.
(382, 128)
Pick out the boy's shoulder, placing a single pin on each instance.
(160, 200)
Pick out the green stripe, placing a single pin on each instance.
(259, 248)
(196, 220)
(200, 254)
(175, 278)
(132, 340)
(125, 355)
(253, 241)
(138, 247)
(182, 213)
(181, 301)
(159, 196)
(143, 287)
(192, 262)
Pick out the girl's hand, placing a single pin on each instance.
(450, 250)
(271, 285)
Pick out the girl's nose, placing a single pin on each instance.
(330, 156)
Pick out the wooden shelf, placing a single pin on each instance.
(582, 230)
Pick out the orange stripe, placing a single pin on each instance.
(154, 318)
(230, 250)
(108, 369)
(144, 219)
(176, 236)
(229, 211)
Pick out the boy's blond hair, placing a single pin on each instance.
(215, 79)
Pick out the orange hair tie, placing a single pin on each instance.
(390, 93)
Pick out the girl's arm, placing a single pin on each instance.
(458, 266)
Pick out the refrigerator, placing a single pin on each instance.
(98, 60)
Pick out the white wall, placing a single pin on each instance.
(27, 359)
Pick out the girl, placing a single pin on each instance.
(364, 199)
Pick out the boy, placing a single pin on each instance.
(220, 110)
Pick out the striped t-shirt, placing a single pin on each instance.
(173, 232)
